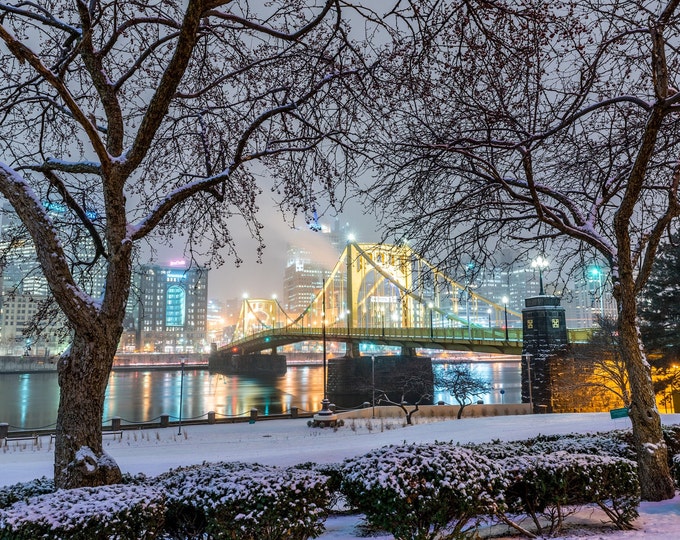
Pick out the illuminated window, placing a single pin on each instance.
(175, 306)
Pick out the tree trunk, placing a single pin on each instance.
(656, 483)
(79, 458)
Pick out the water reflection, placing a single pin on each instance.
(30, 401)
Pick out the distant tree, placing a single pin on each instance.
(127, 123)
(525, 128)
(594, 374)
(408, 391)
(463, 384)
(659, 306)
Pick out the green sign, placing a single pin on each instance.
(619, 413)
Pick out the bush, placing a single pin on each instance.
(420, 491)
(543, 486)
(116, 511)
(22, 491)
(675, 468)
(574, 443)
(244, 501)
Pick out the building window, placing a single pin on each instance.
(175, 306)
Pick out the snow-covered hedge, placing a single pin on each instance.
(574, 443)
(546, 485)
(22, 491)
(244, 501)
(117, 511)
(420, 491)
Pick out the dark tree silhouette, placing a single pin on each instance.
(547, 128)
(127, 122)
(463, 384)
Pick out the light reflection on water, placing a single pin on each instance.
(30, 400)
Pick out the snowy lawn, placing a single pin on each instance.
(289, 442)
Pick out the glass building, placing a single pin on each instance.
(171, 307)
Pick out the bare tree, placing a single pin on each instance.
(463, 384)
(598, 368)
(413, 390)
(538, 127)
(125, 122)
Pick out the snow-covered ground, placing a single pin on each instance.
(288, 442)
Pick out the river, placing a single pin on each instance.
(30, 400)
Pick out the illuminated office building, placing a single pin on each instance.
(171, 309)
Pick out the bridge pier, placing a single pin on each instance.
(352, 350)
(353, 381)
(545, 339)
(248, 364)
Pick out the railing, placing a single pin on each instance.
(421, 336)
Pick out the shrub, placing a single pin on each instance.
(244, 501)
(543, 486)
(116, 511)
(22, 491)
(574, 443)
(675, 468)
(419, 491)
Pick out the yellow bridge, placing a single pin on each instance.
(386, 295)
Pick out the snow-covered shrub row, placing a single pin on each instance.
(22, 491)
(574, 443)
(544, 485)
(116, 511)
(244, 501)
(420, 491)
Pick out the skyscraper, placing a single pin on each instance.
(170, 311)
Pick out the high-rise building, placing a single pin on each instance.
(302, 279)
(170, 314)
(589, 297)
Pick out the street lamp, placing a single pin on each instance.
(373, 385)
(531, 397)
(181, 396)
(540, 263)
(505, 309)
(488, 312)
(431, 305)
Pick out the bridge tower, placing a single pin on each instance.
(545, 337)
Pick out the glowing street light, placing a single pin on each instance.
(540, 263)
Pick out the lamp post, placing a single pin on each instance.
(505, 310)
(488, 312)
(431, 305)
(181, 396)
(540, 263)
(531, 397)
(373, 385)
(323, 335)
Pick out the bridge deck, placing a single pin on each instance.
(484, 340)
